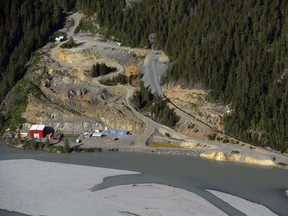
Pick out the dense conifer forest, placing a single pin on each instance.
(236, 49)
(25, 25)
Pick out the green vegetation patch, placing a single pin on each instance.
(191, 125)
(54, 149)
(86, 25)
(144, 100)
(18, 102)
(19, 95)
(212, 136)
(89, 150)
(34, 145)
(69, 22)
(69, 44)
(101, 70)
(70, 137)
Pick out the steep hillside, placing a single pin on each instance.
(235, 49)
(24, 27)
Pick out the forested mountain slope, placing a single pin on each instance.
(24, 26)
(236, 49)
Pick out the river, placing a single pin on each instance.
(265, 186)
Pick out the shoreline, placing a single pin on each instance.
(197, 153)
(250, 159)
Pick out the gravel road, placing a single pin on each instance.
(153, 70)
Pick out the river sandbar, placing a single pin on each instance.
(45, 188)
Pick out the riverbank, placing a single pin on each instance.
(267, 159)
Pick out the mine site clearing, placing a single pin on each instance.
(78, 103)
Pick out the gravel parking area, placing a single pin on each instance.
(108, 141)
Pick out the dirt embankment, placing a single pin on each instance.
(193, 102)
(80, 58)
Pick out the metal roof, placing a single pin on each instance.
(37, 127)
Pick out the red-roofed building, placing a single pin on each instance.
(37, 131)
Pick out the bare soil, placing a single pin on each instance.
(193, 102)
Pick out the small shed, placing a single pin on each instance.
(37, 131)
(59, 39)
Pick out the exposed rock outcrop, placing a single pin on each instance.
(259, 161)
(236, 156)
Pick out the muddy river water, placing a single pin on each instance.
(265, 186)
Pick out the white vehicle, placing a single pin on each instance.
(87, 135)
(97, 134)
